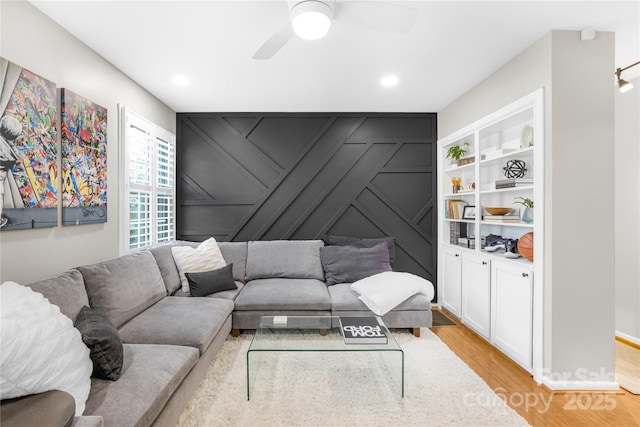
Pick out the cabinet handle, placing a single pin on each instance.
(525, 275)
(484, 262)
(457, 254)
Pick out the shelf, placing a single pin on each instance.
(508, 190)
(508, 224)
(524, 151)
(464, 248)
(455, 195)
(499, 254)
(460, 168)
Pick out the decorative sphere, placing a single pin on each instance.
(515, 169)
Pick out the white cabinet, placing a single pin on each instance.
(512, 314)
(452, 279)
(476, 293)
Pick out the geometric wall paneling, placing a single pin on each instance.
(28, 149)
(84, 160)
(247, 176)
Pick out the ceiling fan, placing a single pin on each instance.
(311, 20)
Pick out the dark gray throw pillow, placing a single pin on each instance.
(348, 264)
(209, 282)
(102, 338)
(364, 243)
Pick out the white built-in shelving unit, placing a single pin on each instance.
(498, 297)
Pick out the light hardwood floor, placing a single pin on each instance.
(536, 403)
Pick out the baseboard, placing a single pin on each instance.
(580, 385)
(628, 339)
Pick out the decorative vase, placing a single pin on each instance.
(456, 182)
(527, 216)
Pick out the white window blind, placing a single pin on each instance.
(148, 185)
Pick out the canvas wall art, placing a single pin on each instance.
(28, 149)
(84, 160)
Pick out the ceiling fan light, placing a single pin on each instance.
(311, 19)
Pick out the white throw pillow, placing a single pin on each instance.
(205, 257)
(41, 350)
(384, 291)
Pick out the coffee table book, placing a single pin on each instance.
(362, 330)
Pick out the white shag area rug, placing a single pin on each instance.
(628, 367)
(342, 389)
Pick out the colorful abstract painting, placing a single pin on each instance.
(84, 160)
(28, 149)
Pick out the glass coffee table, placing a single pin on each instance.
(312, 335)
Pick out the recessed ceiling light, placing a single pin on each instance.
(181, 80)
(389, 81)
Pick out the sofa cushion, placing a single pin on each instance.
(66, 291)
(292, 259)
(205, 257)
(150, 375)
(103, 340)
(123, 287)
(235, 253)
(348, 264)
(167, 265)
(344, 299)
(364, 243)
(192, 322)
(209, 282)
(284, 294)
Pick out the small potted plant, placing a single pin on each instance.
(456, 152)
(527, 215)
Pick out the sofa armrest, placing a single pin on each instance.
(88, 421)
(52, 408)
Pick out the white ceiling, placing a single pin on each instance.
(453, 46)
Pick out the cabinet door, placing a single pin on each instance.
(451, 280)
(512, 310)
(476, 293)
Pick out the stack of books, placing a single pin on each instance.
(457, 230)
(513, 182)
(501, 218)
(454, 209)
(362, 330)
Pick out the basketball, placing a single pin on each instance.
(525, 246)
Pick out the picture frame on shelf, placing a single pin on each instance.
(469, 212)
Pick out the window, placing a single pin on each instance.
(148, 184)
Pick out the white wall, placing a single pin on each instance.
(582, 196)
(33, 41)
(579, 177)
(627, 217)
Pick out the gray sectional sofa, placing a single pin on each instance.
(170, 338)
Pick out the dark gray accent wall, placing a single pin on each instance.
(245, 176)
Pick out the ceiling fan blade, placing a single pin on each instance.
(378, 16)
(274, 43)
